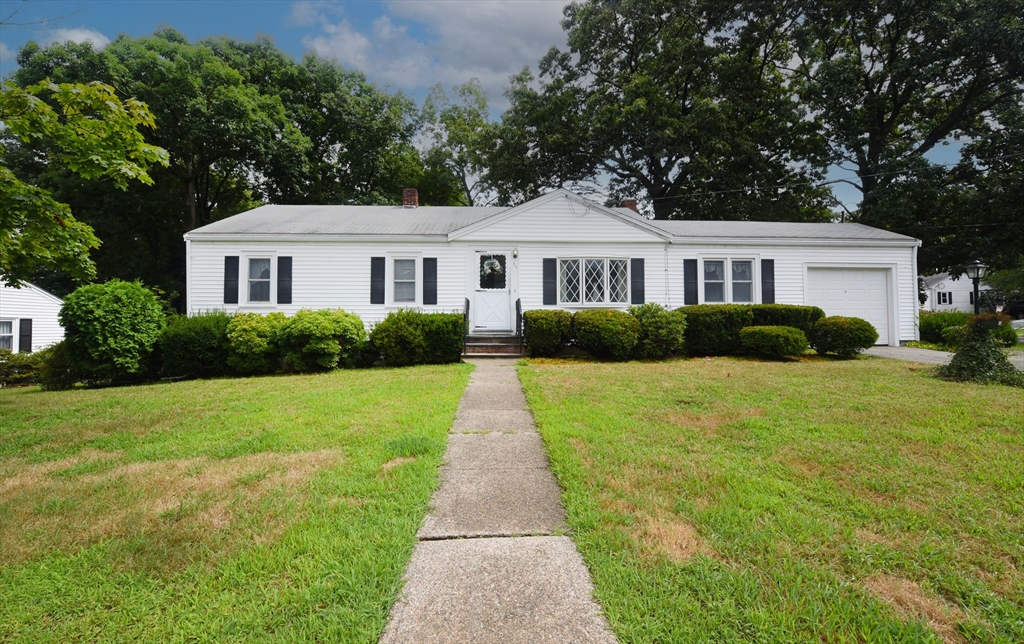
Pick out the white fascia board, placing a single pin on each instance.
(776, 241)
(310, 237)
(561, 192)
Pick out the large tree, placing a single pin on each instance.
(459, 128)
(681, 104)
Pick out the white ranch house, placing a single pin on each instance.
(28, 318)
(944, 293)
(557, 251)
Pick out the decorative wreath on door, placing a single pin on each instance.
(491, 266)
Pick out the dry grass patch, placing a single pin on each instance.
(396, 462)
(909, 600)
(676, 537)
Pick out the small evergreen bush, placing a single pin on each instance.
(798, 317)
(320, 340)
(931, 323)
(253, 342)
(662, 333)
(546, 332)
(195, 346)
(442, 334)
(775, 342)
(842, 336)
(407, 337)
(979, 359)
(605, 333)
(57, 371)
(953, 335)
(110, 329)
(20, 368)
(714, 329)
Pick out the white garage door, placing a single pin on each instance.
(856, 292)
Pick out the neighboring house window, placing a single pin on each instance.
(945, 297)
(405, 280)
(714, 281)
(593, 281)
(729, 280)
(259, 279)
(7, 335)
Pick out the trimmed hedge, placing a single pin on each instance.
(253, 342)
(605, 333)
(979, 359)
(931, 323)
(843, 336)
(798, 317)
(407, 337)
(774, 341)
(110, 329)
(546, 332)
(195, 346)
(662, 333)
(320, 340)
(714, 329)
(20, 368)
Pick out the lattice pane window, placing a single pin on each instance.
(570, 274)
(594, 280)
(618, 280)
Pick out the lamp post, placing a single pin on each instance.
(976, 271)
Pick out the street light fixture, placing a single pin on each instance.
(976, 271)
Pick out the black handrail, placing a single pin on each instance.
(465, 325)
(519, 323)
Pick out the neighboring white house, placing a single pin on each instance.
(557, 251)
(944, 293)
(28, 318)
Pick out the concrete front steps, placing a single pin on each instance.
(493, 346)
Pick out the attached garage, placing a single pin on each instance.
(855, 292)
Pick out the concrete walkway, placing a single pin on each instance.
(490, 565)
(929, 356)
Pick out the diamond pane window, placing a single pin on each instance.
(405, 280)
(714, 281)
(259, 280)
(570, 280)
(618, 280)
(742, 282)
(594, 280)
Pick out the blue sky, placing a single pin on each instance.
(406, 45)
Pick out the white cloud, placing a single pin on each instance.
(7, 55)
(416, 44)
(78, 34)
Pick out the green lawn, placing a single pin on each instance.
(834, 501)
(264, 509)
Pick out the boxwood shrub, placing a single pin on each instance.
(546, 332)
(714, 329)
(605, 333)
(798, 317)
(931, 323)
(110, 330)
(775, 342)
(20, 368)
(842, 336)
(196, 345)
(253, 342)
(320, 340)
(408, 337)
(662, 333)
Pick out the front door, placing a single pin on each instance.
(492, 303)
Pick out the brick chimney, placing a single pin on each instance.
(411, 198)
(631, 204)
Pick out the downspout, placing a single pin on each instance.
(917, 303)
(668, 291)
(188, 275)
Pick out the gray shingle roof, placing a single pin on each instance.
(932, 280)
(776, 230)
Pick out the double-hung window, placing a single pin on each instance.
(7, 334)
(728, 280)
(259, 279)
(593, 281)
(742, 281)
(405, 280)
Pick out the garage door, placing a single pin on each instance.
(857, 292)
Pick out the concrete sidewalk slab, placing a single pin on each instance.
(494, 377)
(493, 420)
(911, 354)
(501, 396)
(495, 451)
(487, 503)
(530, 590)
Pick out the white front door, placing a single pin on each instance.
(492, 301)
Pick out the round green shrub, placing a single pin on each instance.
(253, 342)
(195, 346)
(110, 329)
(979, 359)
(662, 333)
(931, 323)
(775, 342)
(952, 335)
(842, 336)
(399, 337)
(321, 340)
(605, 333)
(546, 332)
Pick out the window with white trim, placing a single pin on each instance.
(404, 280)
(593, 280)
(7, 334)
(714, 280)
(743, 281)
(259, 279)
(729, 281)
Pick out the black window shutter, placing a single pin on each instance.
(25, 336)
(429, 280)
(231, 280)
(768, 281)
(376, 280)
(550, 281)
(689, 281)
(636, 279)
(284, 280)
